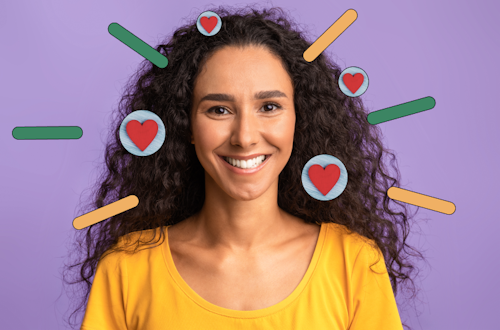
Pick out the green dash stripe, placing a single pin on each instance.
(47, 133)
(142, 48)
(401, 110)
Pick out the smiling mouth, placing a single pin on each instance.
(235, 162)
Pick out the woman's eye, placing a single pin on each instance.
(219, 111)
(269, 106)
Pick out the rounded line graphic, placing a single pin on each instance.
(421, 200)
(105, 212)
(47, 132)
(329, 36)
(136, 44)
(401, 110)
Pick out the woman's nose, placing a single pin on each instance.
(246, 129)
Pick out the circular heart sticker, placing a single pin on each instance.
(324, 177)
(353, 81)
(142, 133)
(209, 23)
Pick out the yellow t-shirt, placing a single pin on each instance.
(339, 291)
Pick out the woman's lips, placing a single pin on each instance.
(238, 170)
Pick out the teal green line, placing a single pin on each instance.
(47, 133)
(401, 110)
(142, 48)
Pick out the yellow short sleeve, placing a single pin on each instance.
(374, 302)
(108, 295)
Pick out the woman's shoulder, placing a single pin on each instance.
(143, 236)
(341, 238)
(342, 231)
(134, 244)
(346, 249)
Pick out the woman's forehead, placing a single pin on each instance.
(250, 68)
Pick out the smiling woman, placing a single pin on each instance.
(231, 239)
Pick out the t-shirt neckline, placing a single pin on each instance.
(238, 313)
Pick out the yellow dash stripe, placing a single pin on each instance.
(105, 212)
(420, 200)
(330, 35)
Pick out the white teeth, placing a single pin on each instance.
(251, 163)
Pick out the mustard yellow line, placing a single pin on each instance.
(105, 212)
(428, 202)
(330, 35)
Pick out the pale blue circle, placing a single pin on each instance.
(141, 116)
(217, 27)
(324, 160)
(353, 70)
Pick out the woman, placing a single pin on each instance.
(213, 246)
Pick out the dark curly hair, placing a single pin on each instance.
(170, 182)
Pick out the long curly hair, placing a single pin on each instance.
(170, 182)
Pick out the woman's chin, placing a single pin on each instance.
(241, 194)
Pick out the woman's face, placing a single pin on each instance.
(243, 105)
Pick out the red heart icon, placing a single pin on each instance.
(208, 23)
(353, 82)
(142, 135)
(324, 179)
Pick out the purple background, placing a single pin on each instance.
(60, 66)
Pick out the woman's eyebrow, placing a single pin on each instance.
(226, 97)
